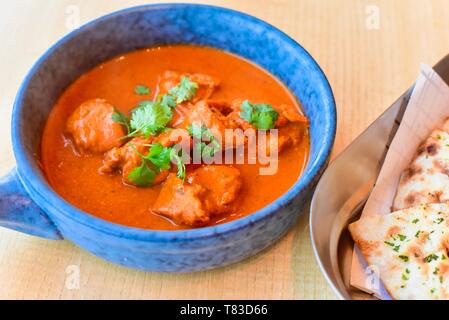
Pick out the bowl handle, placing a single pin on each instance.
(20, 213)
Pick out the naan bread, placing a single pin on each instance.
(410, 250)
(426, 180)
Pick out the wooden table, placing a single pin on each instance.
(370, 51)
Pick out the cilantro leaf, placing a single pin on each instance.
(431, 257)
(121, 118)
(142, 90)
(436, 271)
(141, 104)
(150, 118)
(202, 132)
(159, 156)
(391, 244)
(206, 149)
(142, 176)
(180, 164)
(184, 91)
(168, 100)
(262, 116)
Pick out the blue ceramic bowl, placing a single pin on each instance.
(28, 204)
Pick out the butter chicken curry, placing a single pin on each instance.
(110, 144)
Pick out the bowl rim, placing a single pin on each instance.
(32, 180)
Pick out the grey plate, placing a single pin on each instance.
(343, 189)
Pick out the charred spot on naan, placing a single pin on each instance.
(411, 172)
(410, 198)
(426, 179)
(432, 149)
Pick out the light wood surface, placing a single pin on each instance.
(367, 68)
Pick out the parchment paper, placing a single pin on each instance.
(427, 110)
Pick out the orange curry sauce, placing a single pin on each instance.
(76, 177)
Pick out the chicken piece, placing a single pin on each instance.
(175, 136)
(206, 192)
(287, 114)
(181, 202)
(206, 84)
(92, 128)
(290, 134)
(125, 159)
(208, 113)
(290, 123)
(232, 111)
(222, 184)
(213, 119)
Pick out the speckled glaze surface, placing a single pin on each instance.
(28, 204)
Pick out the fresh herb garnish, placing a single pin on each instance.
(158, 158)
(402, 237)
(168, 100)
(184, 91)
(417, 233)
(391, 244)
(122, 119)
(403, 258)
(150, 118)
(431, 257)
(142, 90)
(262, 116)
(179, 163)
(142, 176)
(439, 220)
(405, 274)
(436, 271)
(415, 220)
(200, 132)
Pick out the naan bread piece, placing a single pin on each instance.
(409, 248)
(426, 180)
